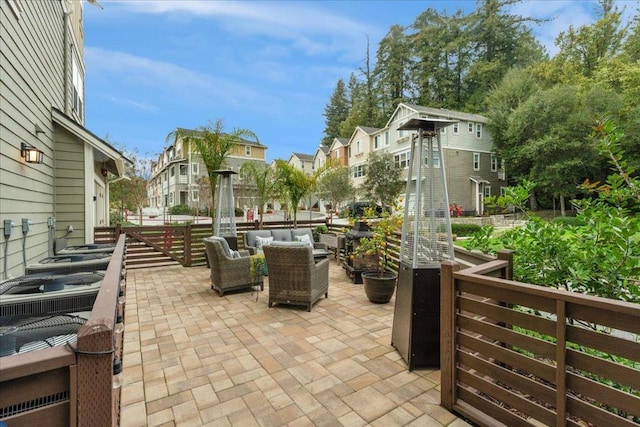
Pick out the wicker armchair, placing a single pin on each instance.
(228, 273)
(294, 277)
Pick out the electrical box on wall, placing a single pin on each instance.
(8, 227)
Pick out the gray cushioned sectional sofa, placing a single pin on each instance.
(282, 235)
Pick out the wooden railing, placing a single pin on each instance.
(522, 355)
(70, 385)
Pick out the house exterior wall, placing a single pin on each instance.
(360, 146)
(31, 81)
(167, 187)
(458, 148)
(38, 41)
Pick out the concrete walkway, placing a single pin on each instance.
(193, 358)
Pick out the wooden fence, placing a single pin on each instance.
(521, 355)
(71, 385)
(157, 245)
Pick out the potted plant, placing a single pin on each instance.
(379, 284)
(258, 267)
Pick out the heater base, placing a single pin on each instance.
(416, 319)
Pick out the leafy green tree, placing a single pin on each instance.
(383, 182)
(335, 112)
(501, 41)
(204, 194)
(131, 192)
(440, 44)
(263, 177)
(293, 184)
(632, 44)
(582, 49)
(213, 144)
(392, 70)
(334, 185)
(600, 255)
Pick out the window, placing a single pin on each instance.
(171, 198)
(402, 159)
(183, 170)
(349, 151)
(172, 171)
(479, 130)
(247, 150)
(470, 127)
(456, 128)
(78, 88)
(376, 142)
(503, 191)
(476, 161)
(400, 132)
(386, 138)
(195, 169)
(336, 154)
(436, 159)
(194, 195)
(486, 191)
(359, 171)
(494, 163)
(443, 131)
(302, 164)
(358, 147)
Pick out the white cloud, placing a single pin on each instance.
(171, 83)
(305, 25)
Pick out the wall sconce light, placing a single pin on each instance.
(31, 154)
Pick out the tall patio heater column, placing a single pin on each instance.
(426, 242)
(225, 220)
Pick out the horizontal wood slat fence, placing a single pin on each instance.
(523, 355)
(158, 245)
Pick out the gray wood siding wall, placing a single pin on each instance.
(70, 186)
(461, 189)
(31, 82)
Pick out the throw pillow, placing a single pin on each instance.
(304, 239)
(262, 241)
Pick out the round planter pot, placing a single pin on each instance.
(379, 290)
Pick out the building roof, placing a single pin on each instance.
(197, 133)
(369, 130)
(446, 114)
(303, 156)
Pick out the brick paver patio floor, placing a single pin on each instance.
(194, 358)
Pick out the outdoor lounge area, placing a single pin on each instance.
(192, 358)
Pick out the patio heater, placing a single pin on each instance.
(426, 242)
(225, 220)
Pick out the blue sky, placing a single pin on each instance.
(270, 67)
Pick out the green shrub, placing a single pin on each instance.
(568, 220)
(239, 212)
(462, 230)
(180, 210)
(317, 230)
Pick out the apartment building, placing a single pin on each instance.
(180, 177)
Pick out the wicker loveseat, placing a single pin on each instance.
(294, 277)
(281, 235)
(229, 273)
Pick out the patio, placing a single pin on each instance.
(194, 358)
